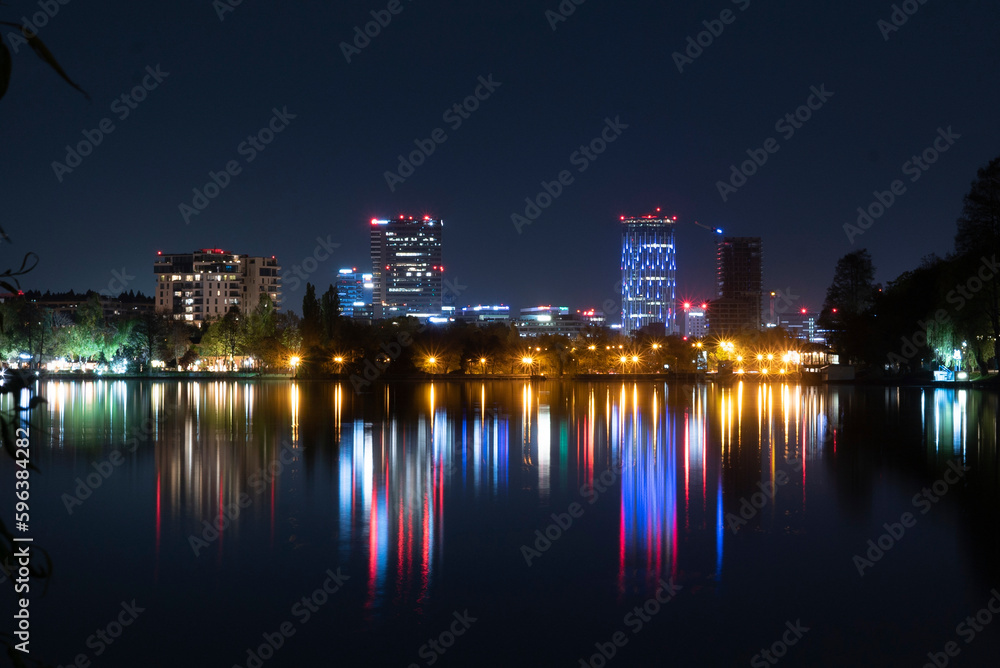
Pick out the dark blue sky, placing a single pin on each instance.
(323, 175)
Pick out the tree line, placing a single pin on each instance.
(921, 318)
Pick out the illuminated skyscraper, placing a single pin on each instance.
(406, 266)
(649, 273)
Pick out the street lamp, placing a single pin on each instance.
(482, 361)
(295, 364)
(432, 361)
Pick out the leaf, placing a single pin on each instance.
(5, 65)
(36, 44)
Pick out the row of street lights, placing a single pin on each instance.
(765, 361)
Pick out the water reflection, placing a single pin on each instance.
(675, 461)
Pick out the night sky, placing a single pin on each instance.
(324, 174)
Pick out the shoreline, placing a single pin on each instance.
(988, 383)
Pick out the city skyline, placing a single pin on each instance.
(213, 141)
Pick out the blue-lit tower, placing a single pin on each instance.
(649, 273)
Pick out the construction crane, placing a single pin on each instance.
(713, 230)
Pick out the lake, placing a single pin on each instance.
(514, 523)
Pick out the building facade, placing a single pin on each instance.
(740, 278)
(202, 286)
(556, 320)
(649, 273)
(695, 322)
(355, 292)
(484, 315)
(407, 274)
(802, 325)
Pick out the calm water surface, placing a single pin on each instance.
(538, 522)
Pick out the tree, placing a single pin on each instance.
(853, 289)
(311, 325)
(979, 224)
(147, 340)
(86, 338)
(329, 315)
(260, 331)
(848, 309)
(230, 332)
(177, 339)
(978, 237)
